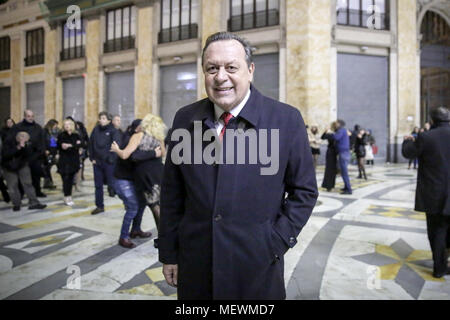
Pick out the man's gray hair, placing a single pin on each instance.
(440, 114)
(221, 36)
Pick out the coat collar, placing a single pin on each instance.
(250, 112)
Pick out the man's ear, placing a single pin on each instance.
(251, 70)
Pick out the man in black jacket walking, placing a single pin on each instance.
(37, 145)
(432, 148)
(102, 158)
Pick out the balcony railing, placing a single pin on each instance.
(257, 19)
(359, 18)
(73, 53)
(184, 32)
(33, 60)
(119, 44)
(5, 65)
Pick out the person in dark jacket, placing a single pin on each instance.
(360, 151)
(69, 144)
(9, 123)
(85, 142)
(102, 158)
(3, 188)
(329, 178)
(225, 226)
(432, 148)
(342, 141)
(37, 142)
(16, 154)
(51, 132)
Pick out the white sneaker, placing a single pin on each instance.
(68, 201)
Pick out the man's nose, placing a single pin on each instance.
(221, 75)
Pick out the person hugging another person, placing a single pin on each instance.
(69, 143)
(145, 187)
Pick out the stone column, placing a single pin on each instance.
(407, 67)
(308, 39)
(210, 23)
(50, 73)
(16, 76)
(93, 46)
(143, 71)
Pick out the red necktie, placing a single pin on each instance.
(226, 116)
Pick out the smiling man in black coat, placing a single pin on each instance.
(226, 225)
(432, 148)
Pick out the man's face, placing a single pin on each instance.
(9, 123)
(103, 120)
(29, 116)
(227, 75)
(116, 122)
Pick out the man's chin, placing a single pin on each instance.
(223, 104)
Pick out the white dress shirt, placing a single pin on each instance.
(235, 112)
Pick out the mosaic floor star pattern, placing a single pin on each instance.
(373, 236)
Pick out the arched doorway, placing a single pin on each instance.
(435, 63)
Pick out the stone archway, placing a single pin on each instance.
(435, 63)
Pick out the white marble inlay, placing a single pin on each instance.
(6, 264)
(29, 273)
(327, 204)
(21, 245)
(348, 278)
(64, 294)
(293, 255)
(111, 275)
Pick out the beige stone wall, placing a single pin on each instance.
(93, 43)
(407, 65)
(211, 16)
(308, 45)
(143, 71)
(16, 79)
(50, 73)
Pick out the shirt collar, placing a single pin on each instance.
(235, 111)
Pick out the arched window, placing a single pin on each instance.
(434, 30)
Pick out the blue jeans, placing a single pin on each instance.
(344, 160)
(134, 202)
(102, 171)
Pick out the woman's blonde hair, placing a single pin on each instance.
(72, 124)
(154, 126)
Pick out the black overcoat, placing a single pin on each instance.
(432, 148)
(69, 159)
(227, 226)
(329, 177)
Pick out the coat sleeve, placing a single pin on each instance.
(172, 208)
(412, 149)
(140, 155)
(91, 145)
(301, 188)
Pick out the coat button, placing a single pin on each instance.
(292, 240)
(218, 217)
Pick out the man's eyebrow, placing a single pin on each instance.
(216, 63)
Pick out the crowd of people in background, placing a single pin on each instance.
(129, 162)
(344, 147)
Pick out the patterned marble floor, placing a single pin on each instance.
(368, 245)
